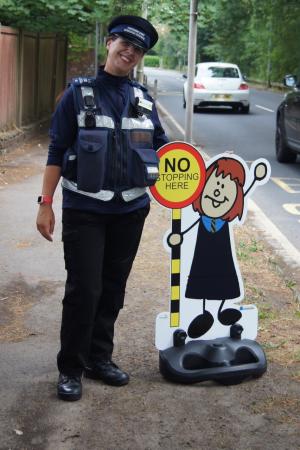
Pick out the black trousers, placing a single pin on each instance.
(99, 251)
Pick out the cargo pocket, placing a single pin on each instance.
(92, 154)
(145, 164)
(70, 239)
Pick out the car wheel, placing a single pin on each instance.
(184, 102)
(283, 153)
(245, 109)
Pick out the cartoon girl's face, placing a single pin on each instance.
(218, 196)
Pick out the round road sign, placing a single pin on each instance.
(181, 175)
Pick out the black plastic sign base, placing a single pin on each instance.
(224, 360)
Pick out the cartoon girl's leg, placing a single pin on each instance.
(201, 324)
(229, 316)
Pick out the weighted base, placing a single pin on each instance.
(224, 360)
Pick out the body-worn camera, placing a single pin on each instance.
(89, 119)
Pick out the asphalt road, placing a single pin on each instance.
(249, 136)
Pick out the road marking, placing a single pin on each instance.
(171, 118)
(287, 184)
(265, 109)
(179, 127)
(292, 208)
(277, 239)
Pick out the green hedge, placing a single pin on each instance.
(151, 60)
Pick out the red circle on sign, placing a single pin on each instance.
(202, 170)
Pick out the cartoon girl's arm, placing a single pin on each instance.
(175, 239)
(260, 172)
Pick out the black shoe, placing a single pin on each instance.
(69, 388)
(108, 372)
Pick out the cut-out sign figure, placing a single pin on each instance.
(209, 262)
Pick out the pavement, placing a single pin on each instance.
(150, 412)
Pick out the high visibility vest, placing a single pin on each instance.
(107, 157)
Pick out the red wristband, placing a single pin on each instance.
(45, 199)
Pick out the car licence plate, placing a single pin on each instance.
(222, 97)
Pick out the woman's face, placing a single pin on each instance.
(218, 196)
(122, 56)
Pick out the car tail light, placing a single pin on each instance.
(199, 86)
(244, 86)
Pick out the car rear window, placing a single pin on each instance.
(218, 72)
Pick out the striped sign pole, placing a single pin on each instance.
(181, 180)
(175, 272)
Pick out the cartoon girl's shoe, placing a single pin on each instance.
(200, 325)
(229, 316)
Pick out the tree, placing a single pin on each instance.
(261, 36)
(172, 21)
(55, 16)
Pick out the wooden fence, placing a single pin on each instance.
(32, 73)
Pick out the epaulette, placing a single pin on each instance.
(84, 81)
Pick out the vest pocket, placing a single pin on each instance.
(145, 164)
(91, 154)
(69, 166)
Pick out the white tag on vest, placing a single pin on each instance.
(146, 104)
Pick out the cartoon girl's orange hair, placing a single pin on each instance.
(236, 171)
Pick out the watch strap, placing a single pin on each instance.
(45, 199)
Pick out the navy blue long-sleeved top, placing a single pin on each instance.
(63, 132)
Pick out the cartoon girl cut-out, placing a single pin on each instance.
(214, 273)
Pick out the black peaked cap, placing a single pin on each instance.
(135, 29)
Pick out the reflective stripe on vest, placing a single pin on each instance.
(105, 196)
(116, 162)
(133, 124)
(133, 193)
(138, 92)
(101, 121)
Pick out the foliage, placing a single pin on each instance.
(261, 36)
(151, 60)
(171, 18)
(63, 15)
(77, 45)
(54, 15)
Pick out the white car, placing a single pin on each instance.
(219, 84)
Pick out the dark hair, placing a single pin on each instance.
(111, 36)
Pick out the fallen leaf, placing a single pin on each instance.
(19, 432)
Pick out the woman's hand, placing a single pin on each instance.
(45, 221)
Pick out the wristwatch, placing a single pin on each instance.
(45, 199)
